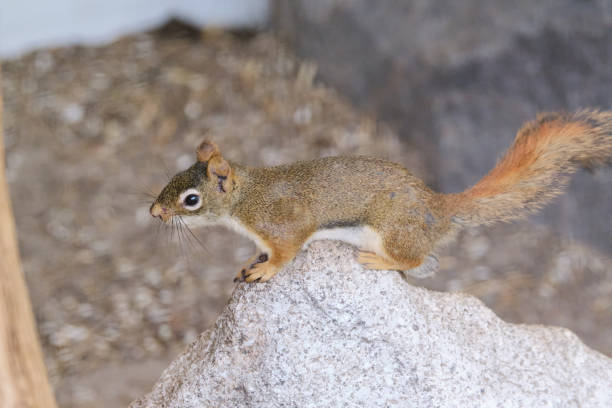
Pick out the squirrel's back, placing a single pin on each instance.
(337, 189)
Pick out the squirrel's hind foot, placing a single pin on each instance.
(426, 269)
(371, 260)
(416, 269)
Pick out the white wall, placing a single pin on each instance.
(30, 24)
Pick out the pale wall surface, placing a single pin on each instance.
(30, 24)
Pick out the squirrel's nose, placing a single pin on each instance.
(160, 212)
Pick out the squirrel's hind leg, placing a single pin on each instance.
(400, 245)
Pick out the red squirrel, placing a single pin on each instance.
(395, 220)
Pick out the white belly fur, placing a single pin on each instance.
(363, 237)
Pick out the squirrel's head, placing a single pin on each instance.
(203, 189)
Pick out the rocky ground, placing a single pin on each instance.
(91, 133)
(325, 323)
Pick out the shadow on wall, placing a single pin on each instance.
(457, 79)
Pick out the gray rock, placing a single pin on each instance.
(327, 333)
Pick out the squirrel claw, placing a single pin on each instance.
(241, 276)
(258, 270)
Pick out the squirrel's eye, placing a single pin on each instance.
(191, 200)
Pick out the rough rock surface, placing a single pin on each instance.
(327, 333)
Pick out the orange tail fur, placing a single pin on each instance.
(537, 167)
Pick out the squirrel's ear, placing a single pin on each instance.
(219, 169)
(206, 150)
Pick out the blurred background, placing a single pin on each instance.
(104, 101)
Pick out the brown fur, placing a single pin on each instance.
(282, 207)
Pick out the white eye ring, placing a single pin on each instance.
(187, 193)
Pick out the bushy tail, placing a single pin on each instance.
(537, 167)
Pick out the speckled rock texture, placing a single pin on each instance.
(327, 333)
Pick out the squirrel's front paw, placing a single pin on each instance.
(257, 270)
(261, 272)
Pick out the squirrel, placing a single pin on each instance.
(391, 216)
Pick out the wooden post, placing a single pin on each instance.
(23, 375)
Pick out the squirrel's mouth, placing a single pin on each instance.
(161, 212)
